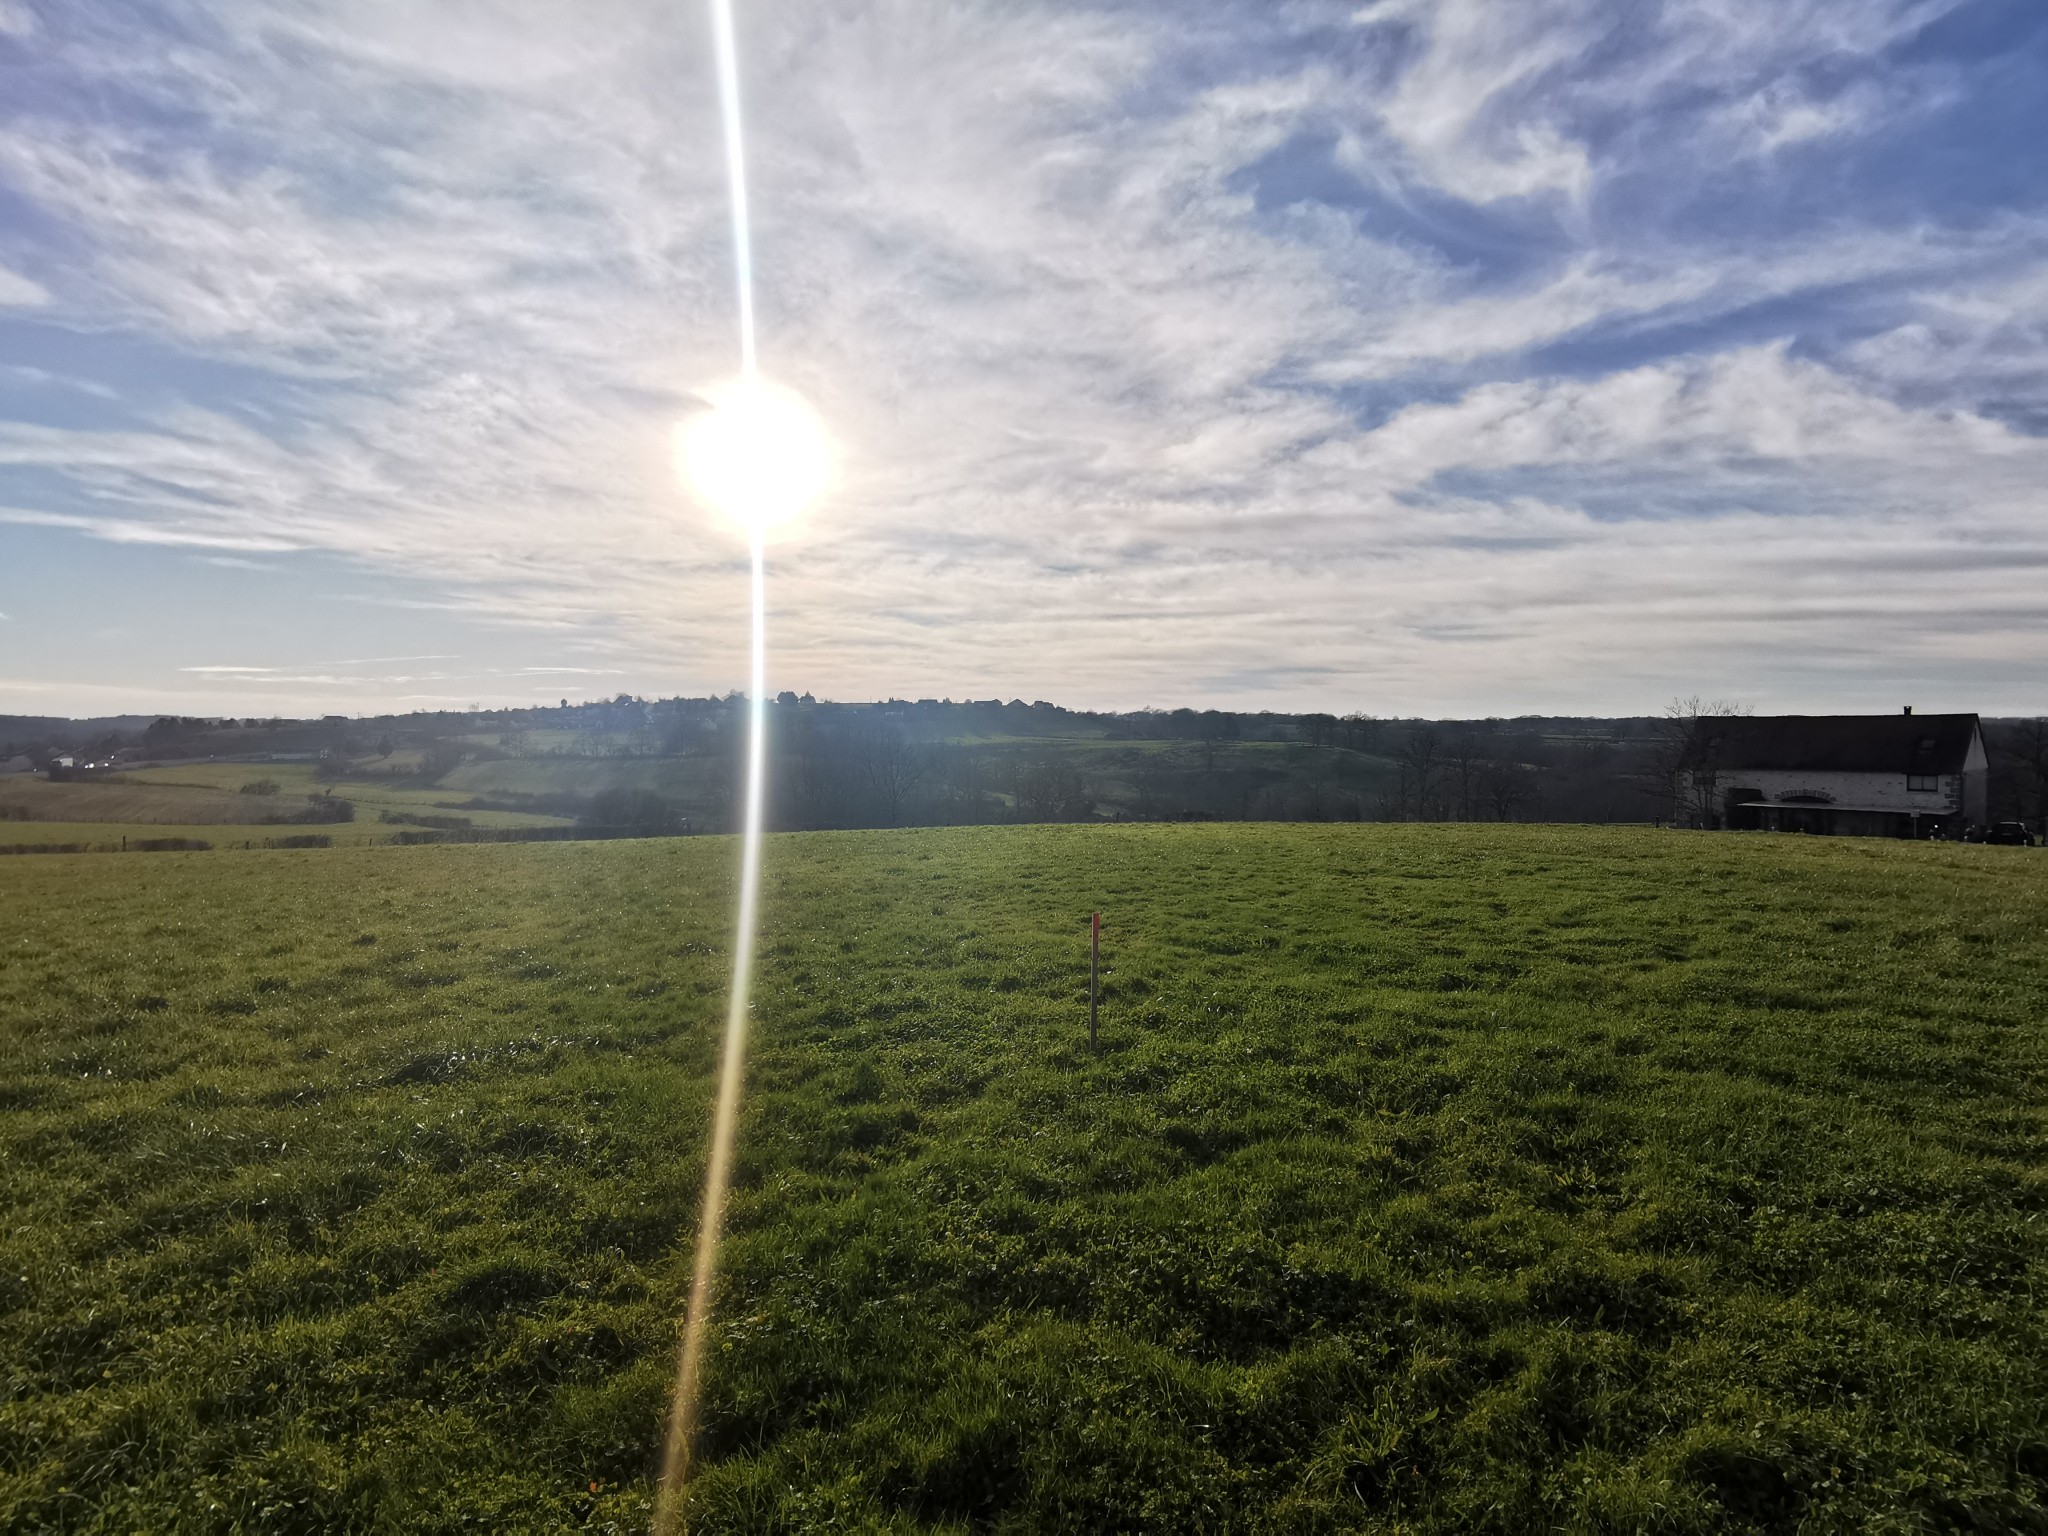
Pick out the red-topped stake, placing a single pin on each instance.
(1094, 971)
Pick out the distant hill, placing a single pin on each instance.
(30, 728)
(903, 762)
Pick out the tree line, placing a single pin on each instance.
(933, 762)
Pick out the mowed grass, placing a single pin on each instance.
(1428, 1179)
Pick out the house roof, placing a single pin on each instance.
(1838, 743)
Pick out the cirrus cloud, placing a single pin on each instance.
(1401, 358)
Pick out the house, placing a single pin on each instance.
(1902, 775)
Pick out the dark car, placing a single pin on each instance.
(2012, 833)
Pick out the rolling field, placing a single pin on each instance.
(206, 803)
(109, 836)
(133, 799)
(1428, 1179)
(685, 778)
(371, 797)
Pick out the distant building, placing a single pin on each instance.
(1903, 775)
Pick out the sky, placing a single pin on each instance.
(1438, 357)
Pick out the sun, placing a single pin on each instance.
(759, 456)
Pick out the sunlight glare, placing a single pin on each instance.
(759, 455)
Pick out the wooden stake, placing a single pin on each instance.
(1094, 971)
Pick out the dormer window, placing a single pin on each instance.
(1923, 783)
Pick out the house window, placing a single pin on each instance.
(1927, 782)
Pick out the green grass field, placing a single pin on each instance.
(1428, 1179)
(108, 836)
(371, 797)
(684, 778)
(135, 799)
(206, 802)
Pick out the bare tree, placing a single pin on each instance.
(1681, 768)
(888, 768)
(2025, 742)
(1464, 761)
(1047, 789)
(1319, 730)
(1508, 788)
(1421, 770)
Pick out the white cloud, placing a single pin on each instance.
(1985, 342)
(1756, 403)
(1779, 119)
(370, 661)
(119, 530)
(20, 292)
(1459, 108)
(1086, 384)
(1496, 100)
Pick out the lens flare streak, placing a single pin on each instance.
(732, 1069)
(736, 177)
(732, 1072)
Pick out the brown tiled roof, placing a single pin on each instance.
(1838, 743)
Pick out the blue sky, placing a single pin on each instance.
(1446, 358)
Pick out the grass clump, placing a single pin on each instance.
(1429, 1179)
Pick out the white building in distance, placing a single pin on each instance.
(1903, 775)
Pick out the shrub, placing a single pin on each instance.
(321, 810)
(641, 809)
